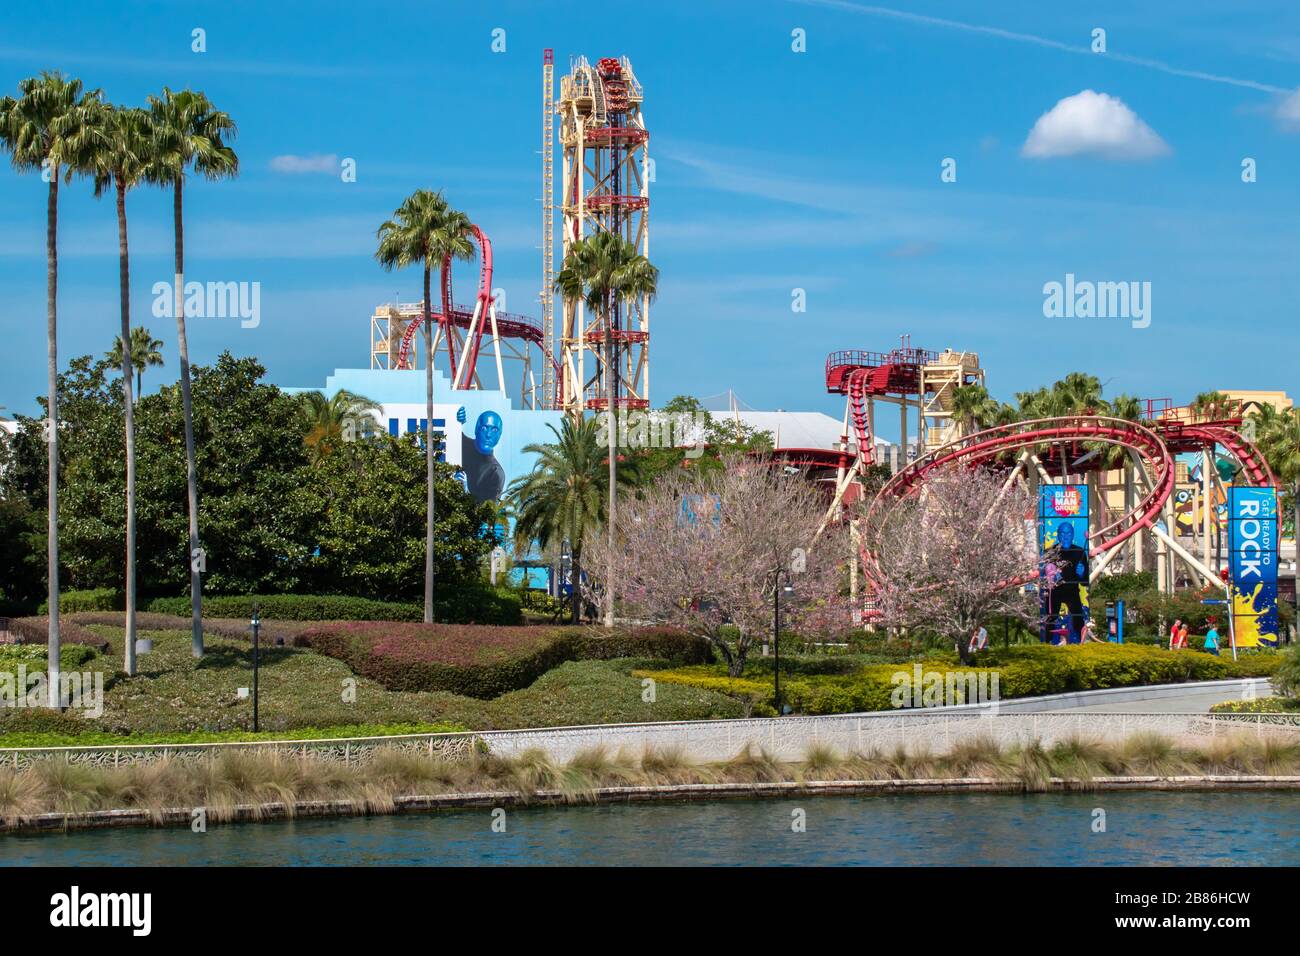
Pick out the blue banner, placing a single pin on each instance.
(1252, 555)
(1064, 562)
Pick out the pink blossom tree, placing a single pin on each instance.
(701, 551)
(953, 554)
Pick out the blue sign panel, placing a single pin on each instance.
(1252, 552)
(1064, 565)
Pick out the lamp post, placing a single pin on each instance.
(255, 624)
(777, 588)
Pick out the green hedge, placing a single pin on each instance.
(1023, 671)
(452, 605)
(485, 662)
(36, 630)
(94, 599)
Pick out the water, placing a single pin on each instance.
(1176, 829)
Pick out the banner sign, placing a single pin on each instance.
(1063, 562)
(1252, 552)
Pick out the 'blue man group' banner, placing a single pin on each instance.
(1252, 543)
(1063, 568)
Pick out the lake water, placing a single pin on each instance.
(1240, 828)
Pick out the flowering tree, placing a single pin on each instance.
(953, 555)
(702, 550)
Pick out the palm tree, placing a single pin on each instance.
(327, 421)
(425, 230)
(562, 498)
(51, 128)
(1077, 394)
(121, 162)
(973, 408)
(1209, 405)
(600, 270)
(145, 353)
(190, 135)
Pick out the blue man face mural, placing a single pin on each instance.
(1065, 534)
(487, 432)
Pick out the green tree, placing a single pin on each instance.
(600, 270)
(51, 128)
(1207, 406)
(120, 164)
(145, 353)
(424, 230)
(328, 422)
(190, 135)
(973, 409)
(563, 497)
(369, 521)
(709, 440)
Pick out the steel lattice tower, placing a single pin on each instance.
(605, 188)
(549, 384)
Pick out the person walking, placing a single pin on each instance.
(1182, 637)
(1212, 639)
(979, 640)
(1173, 634)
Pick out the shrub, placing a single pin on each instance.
(1287, 677)
(93, 599)
(484, 662)
(1023, 671)
(71, 656)
(36, 630)
(463, 604)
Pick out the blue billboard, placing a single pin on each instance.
(1252, 561)
(1063, 565)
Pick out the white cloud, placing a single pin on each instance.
(315, 163)
(1091, 123)
(1288, 111)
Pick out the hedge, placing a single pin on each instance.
(455, 605)
(484, 662)
(94, 599)
(36, 630)
(1023, 671)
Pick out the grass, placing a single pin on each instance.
(231, 779)
(304, 694)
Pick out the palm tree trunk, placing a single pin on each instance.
(611, 373)
(128, 412)
(575, 582)
(139, 374)
(187, 409)
(52, 429)
(428, 455)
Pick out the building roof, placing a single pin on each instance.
(793, 429)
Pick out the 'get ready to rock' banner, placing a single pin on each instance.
(1253, 544)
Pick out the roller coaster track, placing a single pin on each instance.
(986, 447)
(1247, 455)
(474, 320)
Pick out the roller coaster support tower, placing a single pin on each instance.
(605, 187)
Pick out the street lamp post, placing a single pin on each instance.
(256, 625)
(777, 588)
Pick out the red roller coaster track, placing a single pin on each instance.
(508, 325)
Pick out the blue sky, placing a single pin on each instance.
(775, 170)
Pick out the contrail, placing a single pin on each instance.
(873, 11)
